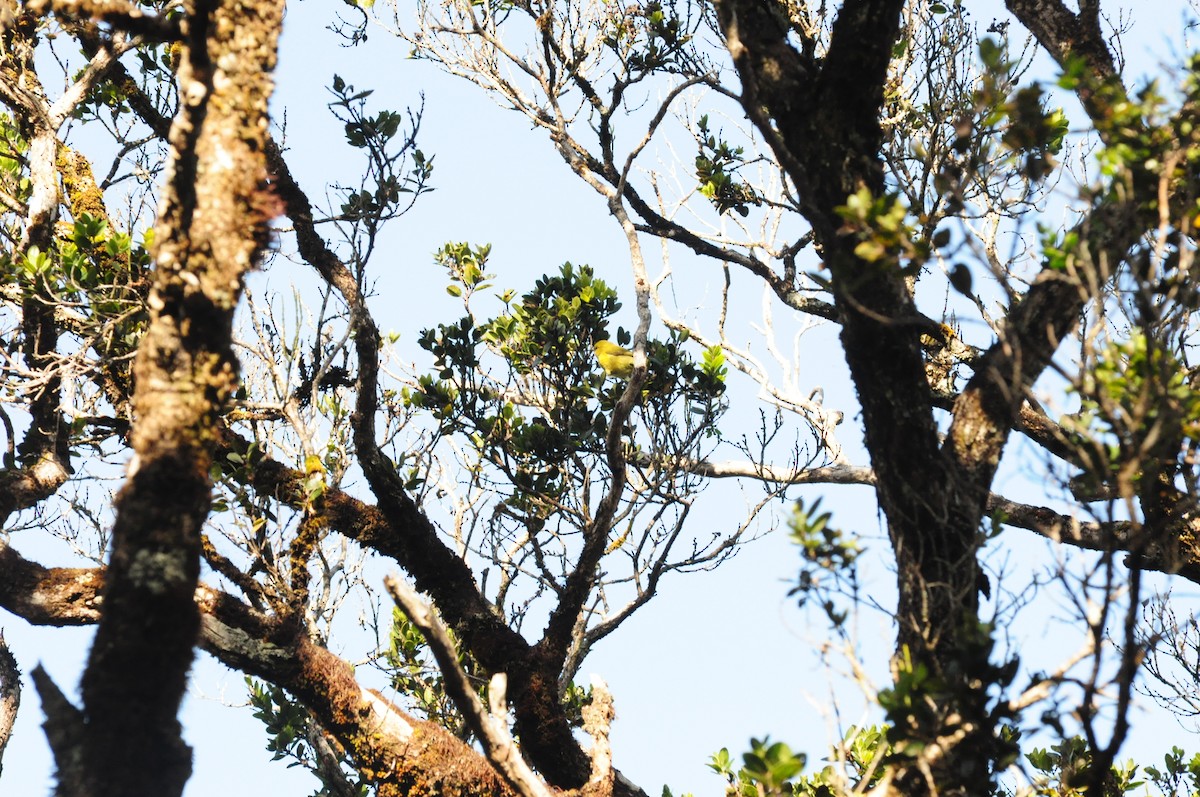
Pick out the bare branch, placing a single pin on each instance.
(122, 15)
(491, 728)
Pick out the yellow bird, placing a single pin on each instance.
(615, 360)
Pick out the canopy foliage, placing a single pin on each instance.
(1006, 251)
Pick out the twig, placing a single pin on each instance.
(491, 728)
(1041, 690)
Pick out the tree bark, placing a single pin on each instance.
(399, 754)
(821, 117)
(10, 695)
(212, 228)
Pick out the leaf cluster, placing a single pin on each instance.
(547, 401)
(880, 225)
(827, 552)
(416, 675)
(915, 705)
(289, 727)
(772, 769)
(391, 183)
(716, 167)
(1065, 769)
(648, 38)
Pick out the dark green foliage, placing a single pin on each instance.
(1179, 775)
(716, 167)
(772, 769)
(650, 38)
(415, 675)
(829, 557)
(290, 729)
(524, 386)
(397, 171)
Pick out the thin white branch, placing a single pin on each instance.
(490, 727)
(1041, 690)
(597, 720)
(830, 474)
(95, 71)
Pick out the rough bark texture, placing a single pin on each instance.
(10, 695)
(212, 227)
(399, 754)
(44, 596)
(822, 117)
(43, 456)
(395, 527)
(827, 116)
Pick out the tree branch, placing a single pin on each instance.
(60, 596)
(212, 228)
(1144, 546)
(400, 754)
(435, 568)
(490, 728)
(1064, 34)
(10, 695)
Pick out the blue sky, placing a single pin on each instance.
(717, 657)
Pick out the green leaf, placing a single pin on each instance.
(871, 251)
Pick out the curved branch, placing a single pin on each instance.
(62, 596)
(1064, 34)
(44, 451)
(398, 753)
(1144, 549)
(90, 39)
(486, 635)
(742, 469)
(435, 568)
(123, 16)
(24, 487)
(989, 407)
